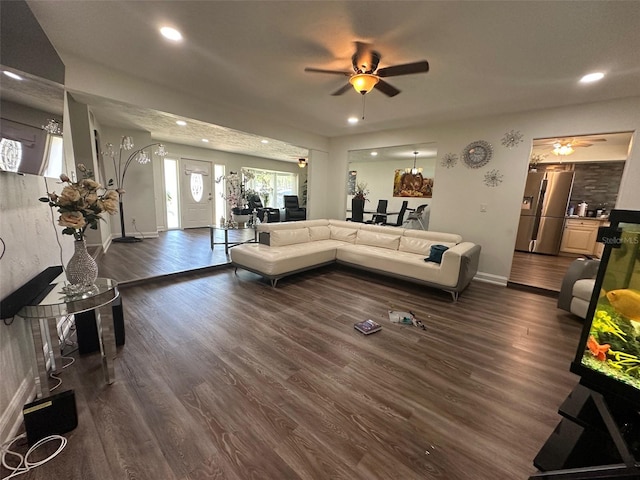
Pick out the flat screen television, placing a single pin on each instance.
(608, 355)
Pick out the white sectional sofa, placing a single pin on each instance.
(291, 247)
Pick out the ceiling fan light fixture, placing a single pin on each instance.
(363, 82)
(562, 150)
(592, 77)
(302, 162)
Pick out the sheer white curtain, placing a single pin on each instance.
(272, 185)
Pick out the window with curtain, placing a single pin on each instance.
(271, 185)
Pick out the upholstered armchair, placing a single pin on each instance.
(292, 209)
(272, 214)
(577, 286)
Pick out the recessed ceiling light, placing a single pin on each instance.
(171, 34)
(353, 120)
(12, 75)
(592, 77)
(205, 140)
(264, 141)
(374, 154)
(182, 123)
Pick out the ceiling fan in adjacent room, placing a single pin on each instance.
(566, 146)
(366, 76)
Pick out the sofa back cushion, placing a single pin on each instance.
(449, 239)
(375, 239)
(420, 246)
(319, 233)
(280, 238)
(343, 234)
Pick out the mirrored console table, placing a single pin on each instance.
(57, 301)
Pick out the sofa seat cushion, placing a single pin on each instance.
(583, 288)
(401, 263)
(274, 261)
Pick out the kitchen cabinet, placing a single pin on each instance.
(580, 235)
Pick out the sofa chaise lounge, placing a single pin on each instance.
(290, 247)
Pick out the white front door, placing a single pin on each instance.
(196, 193)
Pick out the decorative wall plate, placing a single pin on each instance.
(493, 178)
(449, 160)
(477, 154)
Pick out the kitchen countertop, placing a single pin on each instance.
(593, 219)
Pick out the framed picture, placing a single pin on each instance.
(412, 185)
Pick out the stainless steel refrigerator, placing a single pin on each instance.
(544, 206)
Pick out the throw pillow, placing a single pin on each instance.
(435, 255)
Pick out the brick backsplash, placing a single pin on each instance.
(596, 183)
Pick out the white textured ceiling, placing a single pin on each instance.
(486, 57)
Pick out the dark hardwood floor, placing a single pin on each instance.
(224, 377)
(540, 271)
(173, 251)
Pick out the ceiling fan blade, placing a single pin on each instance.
(322, 70)
(387, 89)
(405, 69)
(342, 90)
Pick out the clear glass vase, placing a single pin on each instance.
(82, 269)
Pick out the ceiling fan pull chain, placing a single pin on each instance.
(363, 100)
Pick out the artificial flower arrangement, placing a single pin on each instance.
(81, 203)
(361, 192)
(235, 192)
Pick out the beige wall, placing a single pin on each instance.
(459, 191)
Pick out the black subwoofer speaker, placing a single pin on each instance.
(52, 415)
(87, 331)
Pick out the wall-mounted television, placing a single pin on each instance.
(608, 355)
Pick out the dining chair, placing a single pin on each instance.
(382, 208)
(400, 220)
(416, 216)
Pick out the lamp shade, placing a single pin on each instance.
(363, 82)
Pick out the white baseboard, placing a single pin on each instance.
(11, 418)
(490, 278)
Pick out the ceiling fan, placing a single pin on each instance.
(365, 76)
(565, 146)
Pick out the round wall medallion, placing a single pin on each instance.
(477, 154)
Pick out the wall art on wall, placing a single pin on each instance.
(449, 160)
(493, 178)
(412, 185)
(477, 154)
(351, 182)
(512, 138)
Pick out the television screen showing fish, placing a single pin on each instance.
(611, 336)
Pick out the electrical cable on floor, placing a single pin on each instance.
(24, 464)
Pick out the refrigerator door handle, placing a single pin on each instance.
(532, 246)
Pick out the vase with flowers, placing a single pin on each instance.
(235, 195)
(359, 198)
(80, 205)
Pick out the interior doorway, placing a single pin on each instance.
(596, 164)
